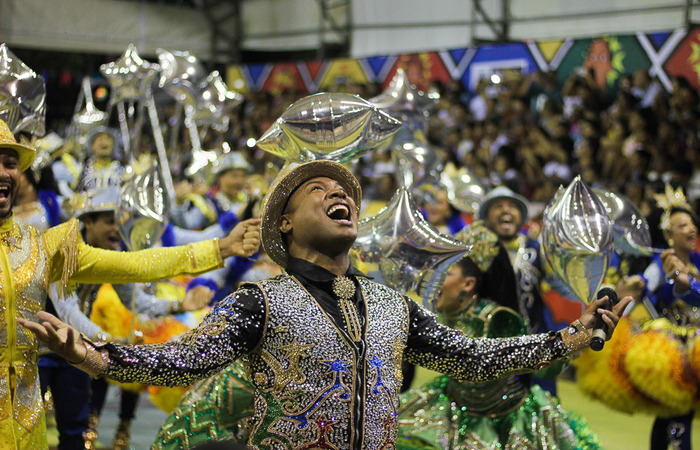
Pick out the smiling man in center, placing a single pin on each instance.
(322, 344)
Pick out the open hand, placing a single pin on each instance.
(61, 338)
(197, 298)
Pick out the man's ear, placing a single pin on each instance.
(285, 224)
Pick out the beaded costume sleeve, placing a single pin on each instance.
(233, 328)
(443, 349)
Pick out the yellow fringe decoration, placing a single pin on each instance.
(64, 239)
(600, 375)
(658, 367)
(693, 352)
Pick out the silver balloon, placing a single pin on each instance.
(129, 76)
(86, 118)
(464, 191)
(200, 160)
(406, 251)
(22, 95)
(403, 101)
(337, 127)
(180, 75)
(143, 210)
(416, 161)
(577, 239)
(214, 102)
(630, 228)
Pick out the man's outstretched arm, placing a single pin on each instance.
(233, 328)
(445, 350)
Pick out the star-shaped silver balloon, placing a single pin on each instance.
(214, 102)
(416, 161)
(407, 253)
(577, 239)
(181, 73)
(402, 100)
(143, 209)
(22, 95)
(331, 126)
(129, 76)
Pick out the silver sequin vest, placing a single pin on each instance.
(305, 371)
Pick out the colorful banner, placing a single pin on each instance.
(664, 54)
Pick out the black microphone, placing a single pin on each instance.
(600, 330)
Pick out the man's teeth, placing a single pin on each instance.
(335, 208)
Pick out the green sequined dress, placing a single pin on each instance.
(500, 414)
(216, 408)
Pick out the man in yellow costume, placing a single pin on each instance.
(30, 262)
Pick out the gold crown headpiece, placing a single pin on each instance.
(668, 200)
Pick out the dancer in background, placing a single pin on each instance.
(477, 298)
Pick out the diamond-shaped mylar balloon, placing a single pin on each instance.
(214, 102)
(330, 126)
(143, 209)
(630, 227)
(181, 73)
(409, 253)
(22, 95)
(402, 100)
(577, 239)
(129, 76)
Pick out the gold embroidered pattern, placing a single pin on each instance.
(11, 238)
(211, 329)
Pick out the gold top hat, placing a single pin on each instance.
(7, 140)
(280, 192)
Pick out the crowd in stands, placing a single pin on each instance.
(533, 133)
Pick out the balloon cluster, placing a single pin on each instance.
(398, 246)
(203, 99)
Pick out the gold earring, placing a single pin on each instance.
(670, 242)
